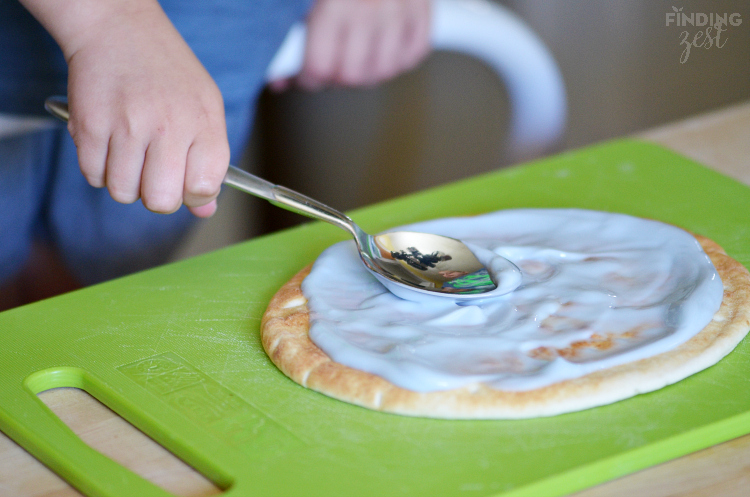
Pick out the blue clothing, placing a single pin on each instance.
(42, 192)
(31, 63)
(44, 196)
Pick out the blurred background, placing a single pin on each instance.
(448, 119)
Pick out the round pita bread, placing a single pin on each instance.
(284, 333)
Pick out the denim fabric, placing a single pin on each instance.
(31, 64)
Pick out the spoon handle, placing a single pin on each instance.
(286, 198)
(249, 183)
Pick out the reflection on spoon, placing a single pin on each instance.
(441, 266)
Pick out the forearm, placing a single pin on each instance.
(73, 23)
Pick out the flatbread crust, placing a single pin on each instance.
(284, 333)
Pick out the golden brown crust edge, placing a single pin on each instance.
(284, 334)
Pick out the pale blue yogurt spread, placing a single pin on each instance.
(597, 290)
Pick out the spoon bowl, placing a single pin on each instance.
(413, 266)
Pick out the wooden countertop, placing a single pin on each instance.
(720, 140)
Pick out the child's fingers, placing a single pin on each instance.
(357, 54)
(324, 42)
(207, 162)
(415, 41)
(280, 85)
(163, 176)
(364, 42)
(207, 210)
(125, 158)
(386, 61)
(92, 150)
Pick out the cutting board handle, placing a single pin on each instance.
(52, 442)
(499, 38)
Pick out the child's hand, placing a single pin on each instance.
(362, 42)
(146, 117)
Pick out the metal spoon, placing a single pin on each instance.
(411, 265)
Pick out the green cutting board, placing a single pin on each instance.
(176, 351)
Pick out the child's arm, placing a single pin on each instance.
(146, 117)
